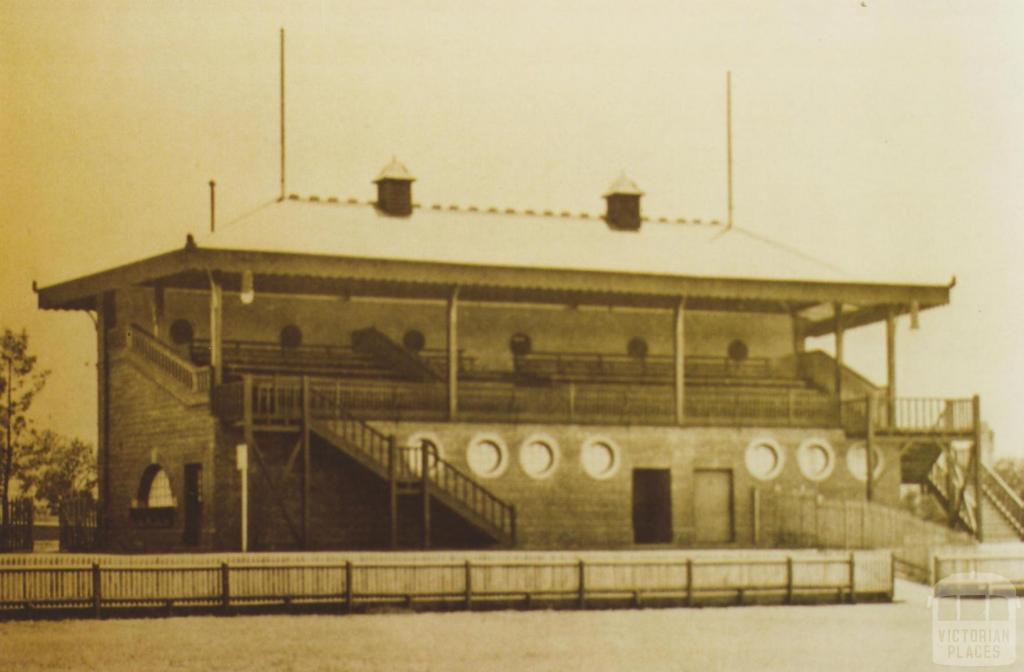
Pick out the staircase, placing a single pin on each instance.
(402, 467)
(387, 353)
(1002, 510)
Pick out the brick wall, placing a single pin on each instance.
(150, 425)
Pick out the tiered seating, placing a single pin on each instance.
(312, 360)
(599, 368)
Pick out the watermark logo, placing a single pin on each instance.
(974, 621)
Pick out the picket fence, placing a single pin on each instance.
(104, 584)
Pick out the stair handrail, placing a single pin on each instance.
(1005, 495)
(163, 357)
(448, 478)
(446, 475)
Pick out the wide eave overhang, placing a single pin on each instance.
(290, 273)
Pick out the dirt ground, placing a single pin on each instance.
(833, 638)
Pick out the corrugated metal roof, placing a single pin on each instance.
(488, 238)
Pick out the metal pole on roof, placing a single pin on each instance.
(728, 142)
(283, 193)
(213, 206)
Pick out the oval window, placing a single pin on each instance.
(520, 344)
(291, 337)
(487, 455)
(816, 459)
(181, 332)
(538, 456)
(600, 457)
(764, 458)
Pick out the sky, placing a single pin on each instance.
(883, 137)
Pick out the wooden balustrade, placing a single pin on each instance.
(910, 415)
(163, 357)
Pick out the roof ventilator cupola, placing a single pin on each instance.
(394, 189)
(623, 199)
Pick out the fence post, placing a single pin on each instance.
(581, 597)
(225, 587)
(97, 590)
(349, 590)
(789, 579)
(689, 582)
(853, 586)
(468, 585)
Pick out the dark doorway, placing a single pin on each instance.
(193, 503)
(652, 506)
(712, 506)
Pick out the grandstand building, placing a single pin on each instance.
(332, 374)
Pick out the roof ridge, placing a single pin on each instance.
(549, 213)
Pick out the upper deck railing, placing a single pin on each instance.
(560, 403)
(909, 415)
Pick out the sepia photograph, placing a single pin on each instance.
(585, 336)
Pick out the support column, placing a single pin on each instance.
(105, 312)
(979, 494)
(453, 354)
(869, 447)
(951, 495)
(838, 385)
(249, 437)
(890, 366)
(306, 467)
(679, 359)
(216, 330)
(392, 492)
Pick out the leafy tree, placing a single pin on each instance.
(20, 382)
(54, 468)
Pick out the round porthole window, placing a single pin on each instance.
(816, 459)
(738, 351)
(538, 456)
(414, 340)
(291, 337)
(520, 344)
(487, 455)
(600, 457)
(857, 461)
(181, 332)
(637, 348)
(413, 458)
(764, 458)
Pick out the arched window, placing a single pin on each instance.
(181, 332)
(154, 505)
(520, 344)
(291, 337)
(155, 489)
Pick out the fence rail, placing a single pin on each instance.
(105, 585)
(793, 520)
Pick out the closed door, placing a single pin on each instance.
(652, 506)
(712, 506)
(193, 503)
